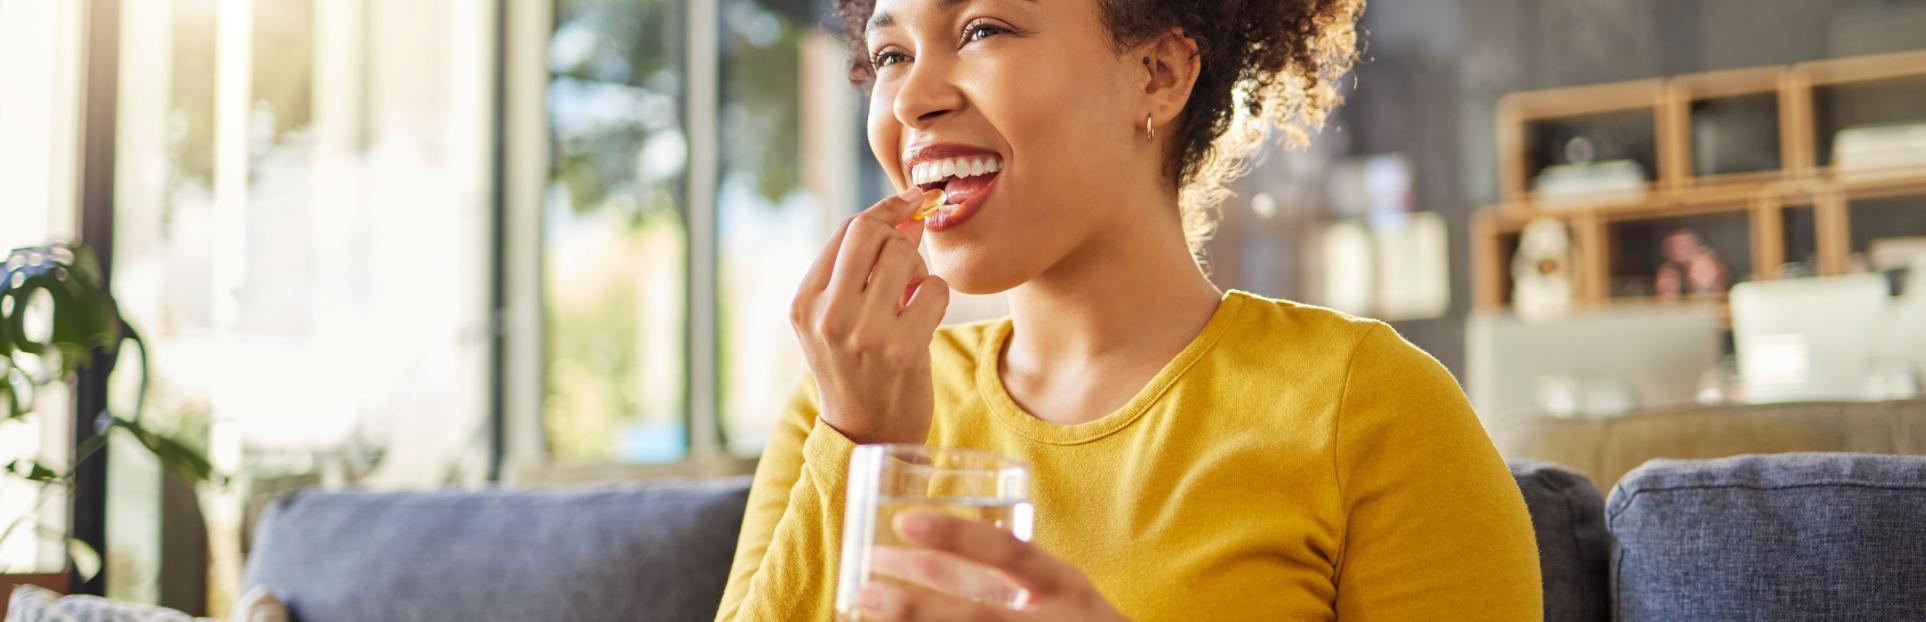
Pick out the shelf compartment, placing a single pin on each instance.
(1873, 218)
(1621, 121)
(1637, 250)
(1726, 127)
(1870, 91)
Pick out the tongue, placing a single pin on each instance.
(962, 188)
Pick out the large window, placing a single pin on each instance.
(303, 209)
(40, 70)
(614, 237)
(620, 207)
(790, 151)
(302, 234)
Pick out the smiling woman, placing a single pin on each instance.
(1197, 455)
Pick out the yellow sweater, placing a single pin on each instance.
(1291, 463)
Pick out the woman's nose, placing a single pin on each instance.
(927, 94)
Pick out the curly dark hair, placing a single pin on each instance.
(1264, 64)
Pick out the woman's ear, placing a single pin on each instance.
(1171, 63)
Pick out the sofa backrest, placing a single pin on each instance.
(1806, 536)
(655, 552)
(1606, 448)
(1568, 519)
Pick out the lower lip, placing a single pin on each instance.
(954, 217)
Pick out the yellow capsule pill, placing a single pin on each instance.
(932, 201)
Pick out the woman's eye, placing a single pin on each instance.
(980, 31)
(886, 58)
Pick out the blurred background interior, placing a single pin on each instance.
(453, 242)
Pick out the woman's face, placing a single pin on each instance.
(1022, 111)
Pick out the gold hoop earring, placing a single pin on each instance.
(1150, 133)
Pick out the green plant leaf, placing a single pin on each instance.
(33, 471)
(6, 390)
(6, 300)
(19, 402)
(86, 559)
(185, 460)
(83, 315)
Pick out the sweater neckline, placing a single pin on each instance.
(990, 387)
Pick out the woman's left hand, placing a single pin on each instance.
(1057, 591)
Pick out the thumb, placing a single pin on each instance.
(898, 208)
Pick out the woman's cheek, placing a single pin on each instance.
(885, 136)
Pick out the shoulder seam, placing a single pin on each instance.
(1337, 475)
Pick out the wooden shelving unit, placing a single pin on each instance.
(1794, 176)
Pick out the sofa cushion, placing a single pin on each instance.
(1800, 536)
(1568, 517)
(656, 552)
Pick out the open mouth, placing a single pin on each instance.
(961, 179)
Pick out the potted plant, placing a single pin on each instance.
(55, 317)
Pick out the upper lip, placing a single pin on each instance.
(941, 151)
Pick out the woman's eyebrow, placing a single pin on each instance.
(884, 20)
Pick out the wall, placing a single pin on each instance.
(1435, 69)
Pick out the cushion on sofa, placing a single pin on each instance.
(656, 552)
(30, 603)
(1802, 536)
(1568, 517)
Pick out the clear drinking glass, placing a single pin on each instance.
(886, 480)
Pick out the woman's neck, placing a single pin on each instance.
(1128, 301)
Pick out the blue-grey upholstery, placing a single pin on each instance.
(1779, 537)
(657, 552)
(1803, 536)
(1568, 517)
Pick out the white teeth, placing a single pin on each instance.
(930, 172)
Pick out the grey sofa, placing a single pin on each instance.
(1810, 536)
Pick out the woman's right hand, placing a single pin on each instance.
(865, 314)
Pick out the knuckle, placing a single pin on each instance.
(798, 313)
(864, 225)
(830, 330)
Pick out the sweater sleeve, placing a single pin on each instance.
(786, 556)
(1435, 527)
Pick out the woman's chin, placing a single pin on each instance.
(977, 273)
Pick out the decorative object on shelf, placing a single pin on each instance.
(1898, 253)
(1541, 269)
(1858, 151)
(1581, 177)
(55, 315)
(1690, 267)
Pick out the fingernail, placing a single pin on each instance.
(875, 599)
(913, 525)
(910, 193)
